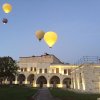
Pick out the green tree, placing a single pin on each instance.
(8, 69)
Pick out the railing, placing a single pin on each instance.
(88, 59)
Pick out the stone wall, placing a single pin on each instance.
(90, 78)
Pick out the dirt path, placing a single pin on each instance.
(44, 94)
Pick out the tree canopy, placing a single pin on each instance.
(8, 67)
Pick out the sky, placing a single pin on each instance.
(76, 22)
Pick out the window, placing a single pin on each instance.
(80, 78)
(57, 70)
(65, 71)
(69, 71)
(40, 71)
(31, 68)
(45, 71)
(25, 69)
(35, 69)
(21, 69)
(52, 70)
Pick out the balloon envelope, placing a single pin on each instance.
(7, 8)
(40, 34)
(4, 20)
(50, 38)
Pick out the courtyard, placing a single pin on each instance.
(16, 92)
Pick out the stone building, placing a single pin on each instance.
(44, 71)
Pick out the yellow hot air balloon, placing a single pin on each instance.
(50, 38)
(40, 34)
(7, 8)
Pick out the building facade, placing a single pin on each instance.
(44, 71)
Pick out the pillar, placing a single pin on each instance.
(16, 82)
(26, 80)
(60, 85)
(48, 83)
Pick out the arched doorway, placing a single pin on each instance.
(11, 79)
(55, 80)
(67, 82)
(30, 78)
(21, 78)
(41, 80)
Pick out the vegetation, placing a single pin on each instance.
(16, 92)
(8, 69)
(69, 95)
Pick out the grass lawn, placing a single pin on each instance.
(69, 95)
(16, 93)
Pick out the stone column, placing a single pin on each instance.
(43, 71)
(55, 70)
(62, 71)
(6, 81)
(48, 83)
(26, 80)
(61, 83)
(34, 83)
(16, 82)
(67, 71)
